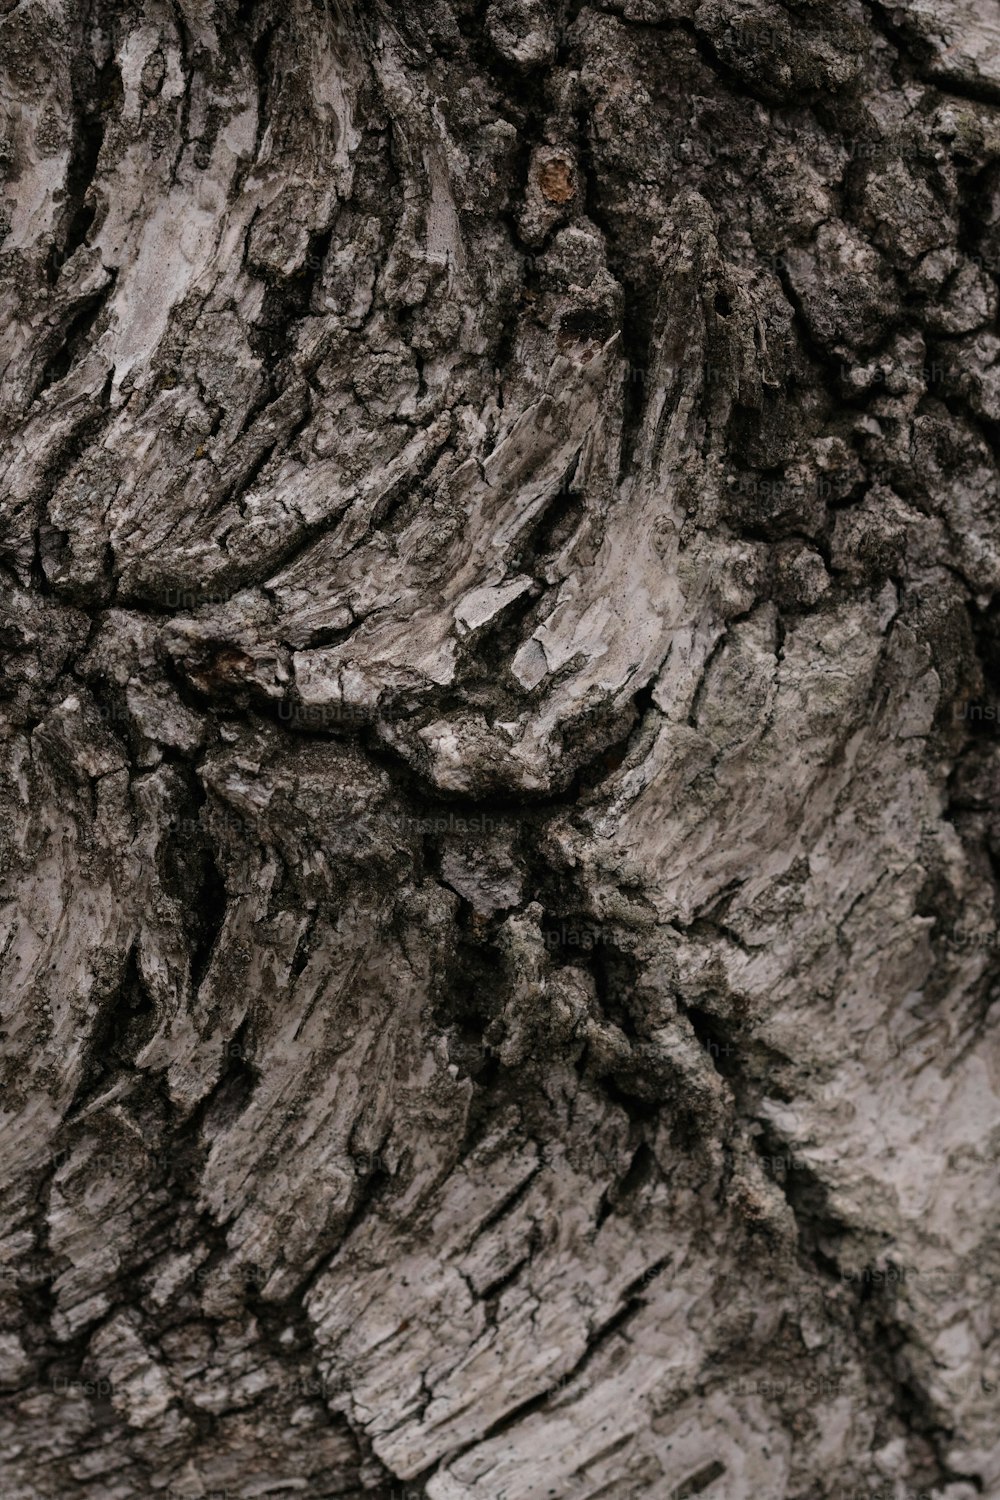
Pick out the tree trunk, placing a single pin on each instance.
(499, 549)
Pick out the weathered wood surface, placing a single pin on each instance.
(499, 544)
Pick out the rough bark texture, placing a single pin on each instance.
(498, 797)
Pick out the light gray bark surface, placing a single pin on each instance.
(499, 541)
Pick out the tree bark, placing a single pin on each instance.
(499, 561)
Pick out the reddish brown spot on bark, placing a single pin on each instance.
(230, 665)
(556, 180)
